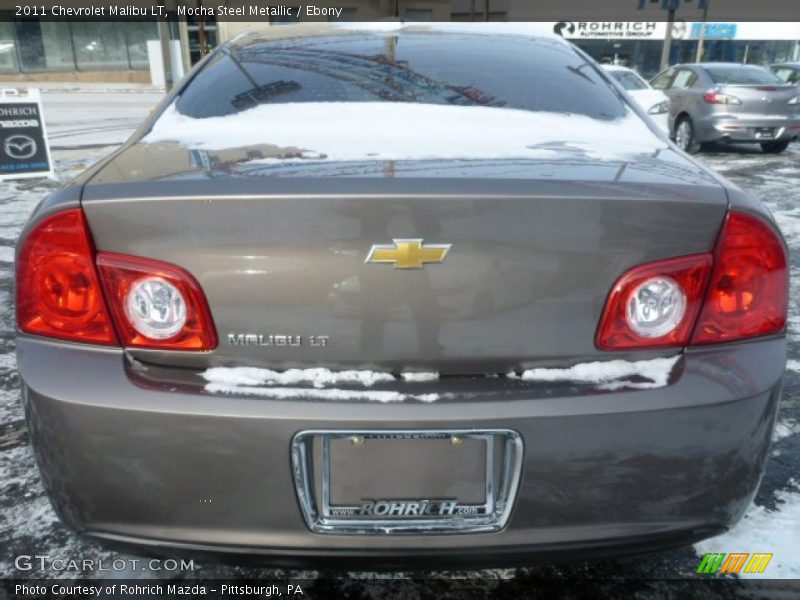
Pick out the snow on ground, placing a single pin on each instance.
(785, 429)
(762, 530)
(384, 133)
(8, 361)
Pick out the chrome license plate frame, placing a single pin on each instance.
(311, 463)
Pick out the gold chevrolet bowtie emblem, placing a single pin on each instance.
(408, 254)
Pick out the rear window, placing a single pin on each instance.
(742, 75)
(630, 81)
(787, 74)
(427, 68)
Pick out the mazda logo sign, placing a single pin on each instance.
(19, 146)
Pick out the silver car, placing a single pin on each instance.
(729, 103)
(403, 294)
(653, 101)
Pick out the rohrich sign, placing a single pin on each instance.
(641, 30)
(24, 151)
(688, 30)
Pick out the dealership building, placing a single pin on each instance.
(639, 44)
(36, 49)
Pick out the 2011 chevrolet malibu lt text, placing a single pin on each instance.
(401, 292)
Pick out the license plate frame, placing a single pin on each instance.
(311, 463)
(765, 133)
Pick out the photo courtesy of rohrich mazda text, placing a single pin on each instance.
(402, 294)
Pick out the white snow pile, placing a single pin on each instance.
(789, 223)
(319, 378)
(353, 131)
(784, 429)
(420, 376)
(8, 360)
(317, 394)
(252, 381)
(793, 365)
(763, 530)
(793, 327)
(609, 375)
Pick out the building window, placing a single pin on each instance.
(136, 36)
(44, 46)
(31, 46)
(99, 45)
(203, 36)
(8, 49)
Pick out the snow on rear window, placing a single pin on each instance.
(347, 131)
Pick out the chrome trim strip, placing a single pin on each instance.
(501, 485)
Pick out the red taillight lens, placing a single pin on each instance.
(654, 305)
(58, 292)
(717, 98)
(749, 291)
(155, 304)
(744, 295)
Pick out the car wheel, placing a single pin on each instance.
(774, 147)
(684, 136)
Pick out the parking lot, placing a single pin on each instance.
(28, 525)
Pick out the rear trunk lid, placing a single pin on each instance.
(534, 248)
(763, 100)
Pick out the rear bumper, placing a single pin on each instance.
(630, 544)
(602, 472)
(746, 129)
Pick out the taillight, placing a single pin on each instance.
(65, 292)
(748, 294)
(717, 98)
(654, 305)
(739, 292)
(58, 292)
(155, 304)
